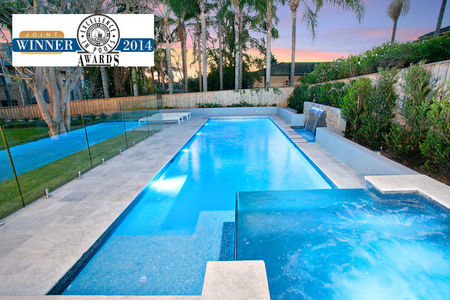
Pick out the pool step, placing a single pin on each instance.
(227, 242)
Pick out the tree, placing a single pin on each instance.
(134, 80)
(219, 37)
(163, 12)
(105, 83)
(294, 5)
(168, 50)
(310, 17)
(270, 11)
(184, 10)
(203, 44)
(5, 86)
(395, 9)
(47, 83)
(236, 9)
(441, 16)
(197, 50)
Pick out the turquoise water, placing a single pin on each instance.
(163, 244)
(306, 134)
(346, 244)
(35, 154)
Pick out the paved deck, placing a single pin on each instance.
(421, 184)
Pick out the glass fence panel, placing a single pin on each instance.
(53, 161)
(105, 135)
(10, 196)
(43, 162)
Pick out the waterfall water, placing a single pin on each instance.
(313, 118)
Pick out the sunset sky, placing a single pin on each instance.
(339, 34)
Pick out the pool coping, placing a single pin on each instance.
(418, 184)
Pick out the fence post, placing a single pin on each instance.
(159, 101)
(5, 142)
(148, 119)
(124, 127)
(87, 141)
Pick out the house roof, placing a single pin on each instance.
(444, 30)
(284, 69)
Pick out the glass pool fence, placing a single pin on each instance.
(33, 164)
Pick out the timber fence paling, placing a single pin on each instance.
(180, 100)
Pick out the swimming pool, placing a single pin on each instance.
(346, 244)
(163, 244)
(35, 154)
(306, 134)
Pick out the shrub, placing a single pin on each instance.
(323, 93)
(241, 104)
(378, 111)
(337, 93)
(384, 56)
(436, 146)
(208, 105)
(404, 140)
(353, 103)
(297, 99)
(327, 94)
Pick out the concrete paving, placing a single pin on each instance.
(236, 280)
(421, 184)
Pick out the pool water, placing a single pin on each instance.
(346, 244)
(163, 244)
(35, 154)
(306, 134)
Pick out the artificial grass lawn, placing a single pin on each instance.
(17, 136)
(59, 172)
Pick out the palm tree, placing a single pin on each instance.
(184, 10)
(395, 9)
(197, 53)
(104, 76)
(241, 54)
(310, 17)
(203, 44)
(294, 5)
(168, 50)
(236, 9)
(219, 37)
(270, 12)
(441, 16)
(134, 80)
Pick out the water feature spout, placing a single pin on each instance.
(316, 118)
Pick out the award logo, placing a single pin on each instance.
(98, 36)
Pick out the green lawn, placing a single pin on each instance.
(57, 173)
(17, 136)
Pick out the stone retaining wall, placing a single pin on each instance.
(334, 118)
